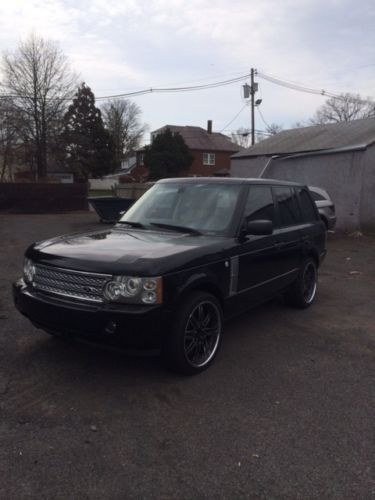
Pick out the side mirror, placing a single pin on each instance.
(260, 227)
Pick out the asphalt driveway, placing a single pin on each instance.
(286, 411)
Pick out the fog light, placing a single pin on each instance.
(149, 297)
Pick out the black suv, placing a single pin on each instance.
(187, 255)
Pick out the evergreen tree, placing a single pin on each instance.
(88, 147)
(167, 156)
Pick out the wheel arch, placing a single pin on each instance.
(201, 283)
(314, 254)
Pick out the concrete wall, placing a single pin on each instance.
(367, 197)
(247, 167)
(340, 174)
(102, 183)
(348, 177)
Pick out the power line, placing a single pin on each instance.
(178, 89)
(236, 116)
(195, 80)
(262, 117)
(309, 90)
(146, 91)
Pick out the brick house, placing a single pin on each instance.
(211, 150)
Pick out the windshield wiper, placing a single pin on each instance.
(131, 223)
(172, 227)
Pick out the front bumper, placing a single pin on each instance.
(125, 325)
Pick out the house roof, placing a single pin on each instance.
(199, 138)
(348, 135)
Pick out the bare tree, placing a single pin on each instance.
(122, 120)
(242, 137)
(274, 128)
(38, 78)
(8, 138)
(345, 108)
(301, 124)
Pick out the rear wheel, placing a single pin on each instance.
(303, 291)
(195, 336)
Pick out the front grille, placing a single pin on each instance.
(68, 283)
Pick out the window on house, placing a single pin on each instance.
(141, 159)
(208, 158)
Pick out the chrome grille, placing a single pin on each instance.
(68, 283)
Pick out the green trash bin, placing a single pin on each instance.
(110, 208)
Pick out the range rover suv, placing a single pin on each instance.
(186, 256)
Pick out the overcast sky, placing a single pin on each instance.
(126, 45)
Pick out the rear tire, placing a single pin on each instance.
(195, 336)
(303, 291)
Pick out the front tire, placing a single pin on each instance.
(303, 291)
(195, 336)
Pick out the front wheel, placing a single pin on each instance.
(303, 291)
(195, 336)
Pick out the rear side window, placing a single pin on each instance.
(287, 203)
(259, 204)
(307, 205)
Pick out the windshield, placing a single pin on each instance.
(204, 207)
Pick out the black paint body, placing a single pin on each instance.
(241, 270)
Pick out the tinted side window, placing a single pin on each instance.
(307, 205)
(259, 204)
(288, 206)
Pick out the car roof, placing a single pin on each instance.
(228, 180)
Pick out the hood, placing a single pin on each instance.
(120, 251)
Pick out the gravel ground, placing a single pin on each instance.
(286, 411)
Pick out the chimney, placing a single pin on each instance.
(209, 126)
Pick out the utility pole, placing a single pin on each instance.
(249, 91)
(252, 90)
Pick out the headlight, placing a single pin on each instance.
(28, 270)
(134, 290)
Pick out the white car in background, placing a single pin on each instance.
(325, 205)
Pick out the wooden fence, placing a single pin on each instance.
(42, 197)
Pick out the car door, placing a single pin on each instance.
(288, 235)
(255, 265)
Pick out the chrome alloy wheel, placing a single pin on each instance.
(202, 333)
(309, 282)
